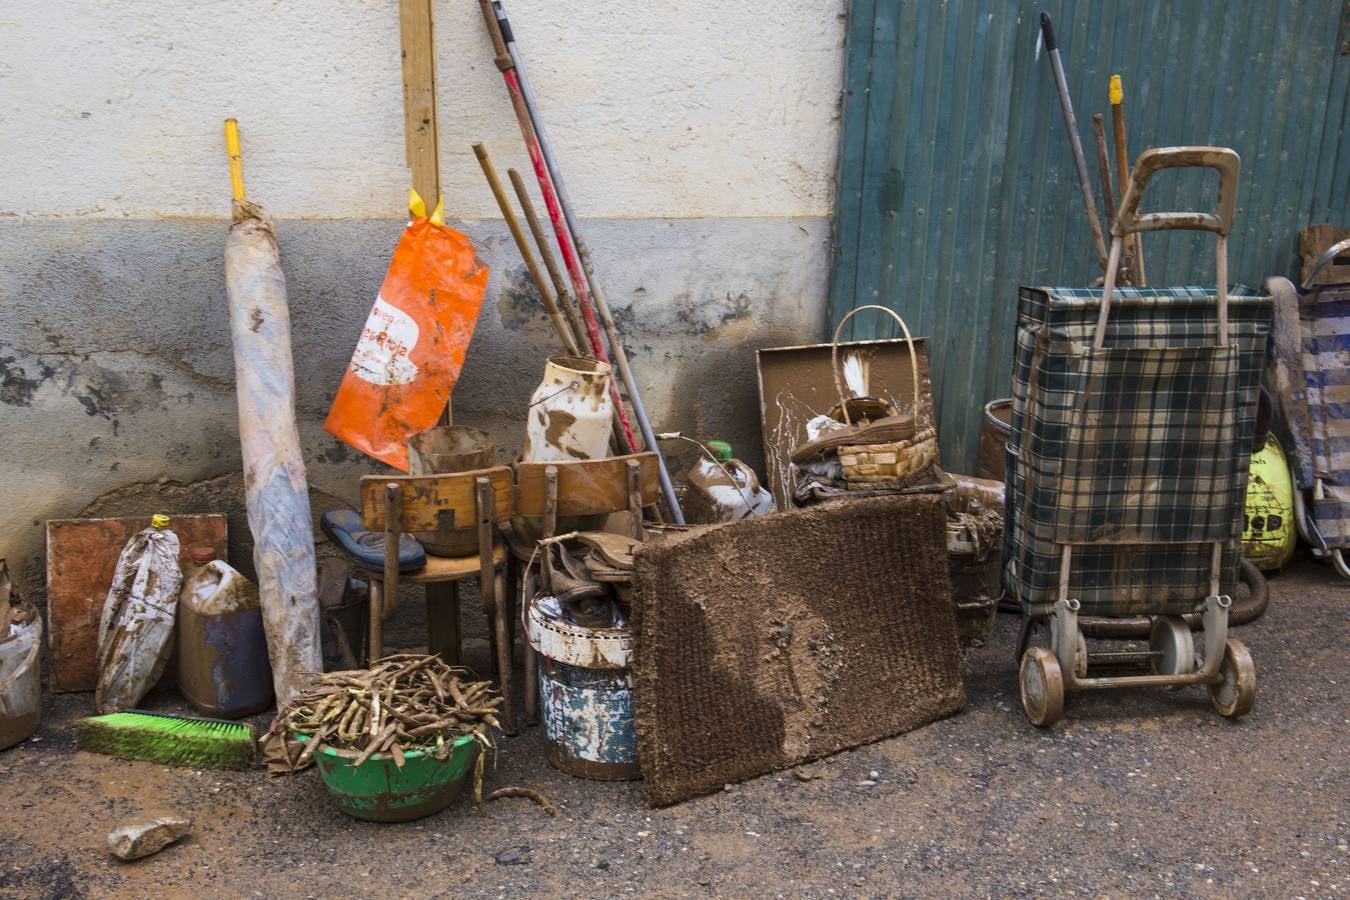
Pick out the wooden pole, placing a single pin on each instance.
(1136, 242)
(421, 133)
(523, 245)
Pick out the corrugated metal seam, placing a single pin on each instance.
(956, 182)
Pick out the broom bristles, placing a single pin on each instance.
(172, 740)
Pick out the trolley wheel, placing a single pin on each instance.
(1172, 645)
(1042, 687)
(1235, 693)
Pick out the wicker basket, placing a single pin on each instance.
(905, 461)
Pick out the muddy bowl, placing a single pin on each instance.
(445, 450)
(378, 790)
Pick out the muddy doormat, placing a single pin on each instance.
(770, 642)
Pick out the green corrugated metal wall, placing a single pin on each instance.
(956, 181)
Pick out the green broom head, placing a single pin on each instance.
(172, 740)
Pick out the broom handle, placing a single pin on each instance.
(1123, 174)
(550, 261)
(506, 64)
(596, 290)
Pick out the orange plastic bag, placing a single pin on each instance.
(412, 347)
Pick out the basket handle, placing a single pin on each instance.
(1341, 248)
(1129, 221)
(834, 358)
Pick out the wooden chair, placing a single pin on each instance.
(401, 503)
(582, 487)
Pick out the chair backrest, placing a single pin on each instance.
(435, 502)
(586, 486)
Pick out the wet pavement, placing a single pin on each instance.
(1144, 792)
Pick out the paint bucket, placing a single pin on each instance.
(994, 434)
(586, 693)
(379, 790)
(974, 560)
(441, 451)
(20, 675)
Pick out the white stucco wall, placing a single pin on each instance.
(672, 108)
(698, 139)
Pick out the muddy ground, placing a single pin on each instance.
(1140, 793)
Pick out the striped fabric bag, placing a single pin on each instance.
(1314, 383)
(1135, 453)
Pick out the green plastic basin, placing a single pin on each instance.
(380, 791)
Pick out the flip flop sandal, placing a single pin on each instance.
(365, 547)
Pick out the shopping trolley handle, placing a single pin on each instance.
(1222, 159)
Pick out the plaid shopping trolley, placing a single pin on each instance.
(1133, 416)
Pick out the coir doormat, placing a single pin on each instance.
(773, 641)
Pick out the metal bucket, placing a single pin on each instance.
(20, 677)
(443, 450)
(994, 434)
(586, 693)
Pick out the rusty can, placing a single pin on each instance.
(586, 693)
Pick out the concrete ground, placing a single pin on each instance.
(1135, 793)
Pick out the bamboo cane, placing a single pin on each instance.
(509, 214)
(596, 290)
(550, 262)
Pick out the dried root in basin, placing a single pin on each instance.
(403, 702)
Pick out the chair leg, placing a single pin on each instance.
(374, 632)
(493, 603)
(503, 632)
(443, 635)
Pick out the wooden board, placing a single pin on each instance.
(585, 486)
(432, 502)
(796, 384)
(81, 559)
(416, 37)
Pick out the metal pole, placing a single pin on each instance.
(1071, 125)
(596, 291)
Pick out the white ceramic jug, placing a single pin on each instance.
(571, 415)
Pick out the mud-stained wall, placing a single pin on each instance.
(698, 140)
(116, 370)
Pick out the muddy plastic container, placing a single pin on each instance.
(379, 791)
(586, 694)
(443, 450)
(20, 676)
(223, 667)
